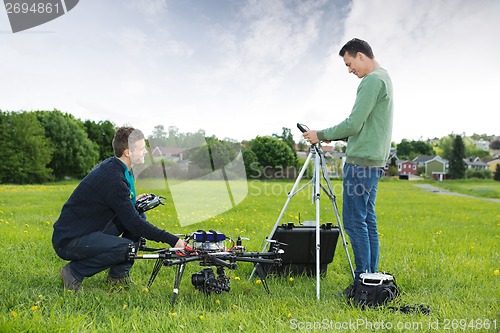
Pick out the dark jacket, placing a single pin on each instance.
(102, 195)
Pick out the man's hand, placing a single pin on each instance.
(311, 136)
(140, 196)
(181, 244)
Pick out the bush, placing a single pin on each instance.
(479, 174)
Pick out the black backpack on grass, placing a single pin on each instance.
(374, 289)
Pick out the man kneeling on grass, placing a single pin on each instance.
(99, 211)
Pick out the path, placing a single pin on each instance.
(438, 190)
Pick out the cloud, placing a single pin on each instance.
(434, 51)
(240, 69)
(149, 7)
(258, 51)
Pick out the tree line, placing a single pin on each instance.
(443, 147)
(42, 146)
(261, 154)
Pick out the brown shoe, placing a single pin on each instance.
(122, 281)
(70, 282)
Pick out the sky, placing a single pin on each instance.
(238, 69)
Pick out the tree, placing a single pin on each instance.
(495, 144)
(496, 176)
(421, 148)
(393, 168)
(287, 137)
(404, 148)
(219, 154)
(173, 138)
(445, 146)
(456, 169)
(101, 134)
(272, 152)
(411, 149)
(74, 153)
(24, 149)
(159, 137)
(302, 145)
(252, 168)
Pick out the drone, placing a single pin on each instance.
(211, 249)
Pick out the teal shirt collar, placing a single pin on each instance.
(129, 176)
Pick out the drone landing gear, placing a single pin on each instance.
(209, 253)
(177, 282)
(262, 276)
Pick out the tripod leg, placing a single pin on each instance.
(331, 195)
(317, 194)
(290, 196)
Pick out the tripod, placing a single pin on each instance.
(319, 168)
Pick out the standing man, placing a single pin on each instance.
(368, 130)
(100, 209)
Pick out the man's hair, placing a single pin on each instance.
(123, 137)
(356, 45)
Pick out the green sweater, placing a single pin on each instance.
(368, 128)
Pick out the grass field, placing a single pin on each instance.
(443, 250)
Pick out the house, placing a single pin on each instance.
(407, 168)
(433, 165)
(482, 144)
(172, 153)
(421, 160)
(492, 164)
(475, 164)
(436, 168)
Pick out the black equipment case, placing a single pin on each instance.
(300, 249)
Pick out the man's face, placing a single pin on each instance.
(355, 64)
(137, 152)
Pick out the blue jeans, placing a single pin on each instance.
(358, 213)
(98, 251)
